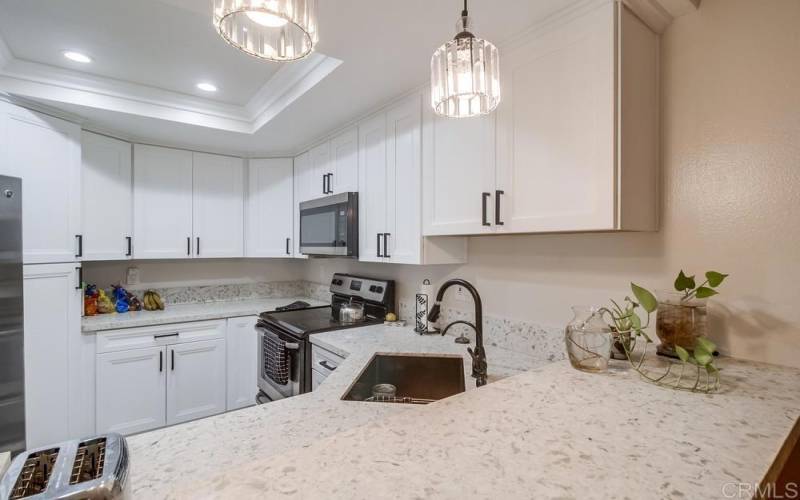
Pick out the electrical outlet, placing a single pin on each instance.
(133, 276)
(461, 294)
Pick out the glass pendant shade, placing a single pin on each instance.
(465, 75)
(276, 30)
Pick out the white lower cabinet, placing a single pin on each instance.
(195, 380)
(131, 390)
(58, 398)
(154, 376)
(242, 352)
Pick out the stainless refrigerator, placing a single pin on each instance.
(12, 372)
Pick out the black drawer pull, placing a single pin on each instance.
(324, 364)
(165, 335)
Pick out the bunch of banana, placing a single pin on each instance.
(152, 301)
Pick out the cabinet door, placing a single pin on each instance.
(195, 380)
(556, 133)
(53, 392)
(269, 208)
(218, 199)
(162, 202)
(321, 165)
(403, 202)
(372, 184)
(344, 162)
(107, 202)
(131, 390)
(304, 189)
(242, 353)
(45, 152)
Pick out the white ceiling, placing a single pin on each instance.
(384, 47)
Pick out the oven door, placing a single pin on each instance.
(296, 354)
(329, 226)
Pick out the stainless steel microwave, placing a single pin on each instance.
(329, 226)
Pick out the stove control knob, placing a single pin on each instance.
(378, 289)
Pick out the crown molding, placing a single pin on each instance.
(32, 80)
(659, 14)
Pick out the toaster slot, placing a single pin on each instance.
(90, 460)
(35, 474)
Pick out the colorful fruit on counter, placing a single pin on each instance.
(104, 305)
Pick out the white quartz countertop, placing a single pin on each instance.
(182, 313)
(550, 432)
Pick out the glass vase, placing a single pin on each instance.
(588, 340)
(679, 322)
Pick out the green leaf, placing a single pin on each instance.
(636, 322)
(702, 356)
(711, 369)
(683, 282)
(704, 292)
(715, 279)
(706, 344)
(682, 353)
(645, 298)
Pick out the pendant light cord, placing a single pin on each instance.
(464, 12)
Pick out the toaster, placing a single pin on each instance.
(91, 468)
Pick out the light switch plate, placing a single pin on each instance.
(133, 276)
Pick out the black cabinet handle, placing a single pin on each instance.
(379, 245)
(161, 361)
(130, 248)
(497, 194)
(324, 185)
(330, 181)
(188, 245)
(80, 278)
(165, 335)
(287, 247)
(485, 198)
(198, 246)
(79, 237)
(386, 244)
(172, 352)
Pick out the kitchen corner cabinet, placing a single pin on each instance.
(107, 201)
(187, 205)
(59, 371)
(269, 214)
(45, 152)
(343, 176)
(390, 224)
(576, 136)
(149, 377)
(242, 353)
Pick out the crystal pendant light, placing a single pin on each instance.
(276, 30)
(465, 74)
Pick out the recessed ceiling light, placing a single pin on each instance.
(207, 87)
(77, 56)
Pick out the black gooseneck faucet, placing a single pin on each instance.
(479, 364)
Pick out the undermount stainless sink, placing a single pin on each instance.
(419, 379)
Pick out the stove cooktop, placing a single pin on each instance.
(303, 322)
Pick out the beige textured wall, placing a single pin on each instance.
(731, 195)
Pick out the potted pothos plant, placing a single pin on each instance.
(628, 321)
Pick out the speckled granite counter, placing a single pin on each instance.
(181, 313)
(549, 432)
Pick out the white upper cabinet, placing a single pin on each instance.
(269, 217)
(107, 201)
(344, 162)
(162, 200)
(372, 183)
(322, 171)
(390, 191)
(576, 137)
(46, 153)
(402, 243)
(305, 188)
(218, 213)
(458, 174)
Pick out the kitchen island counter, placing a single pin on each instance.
(549, 432)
